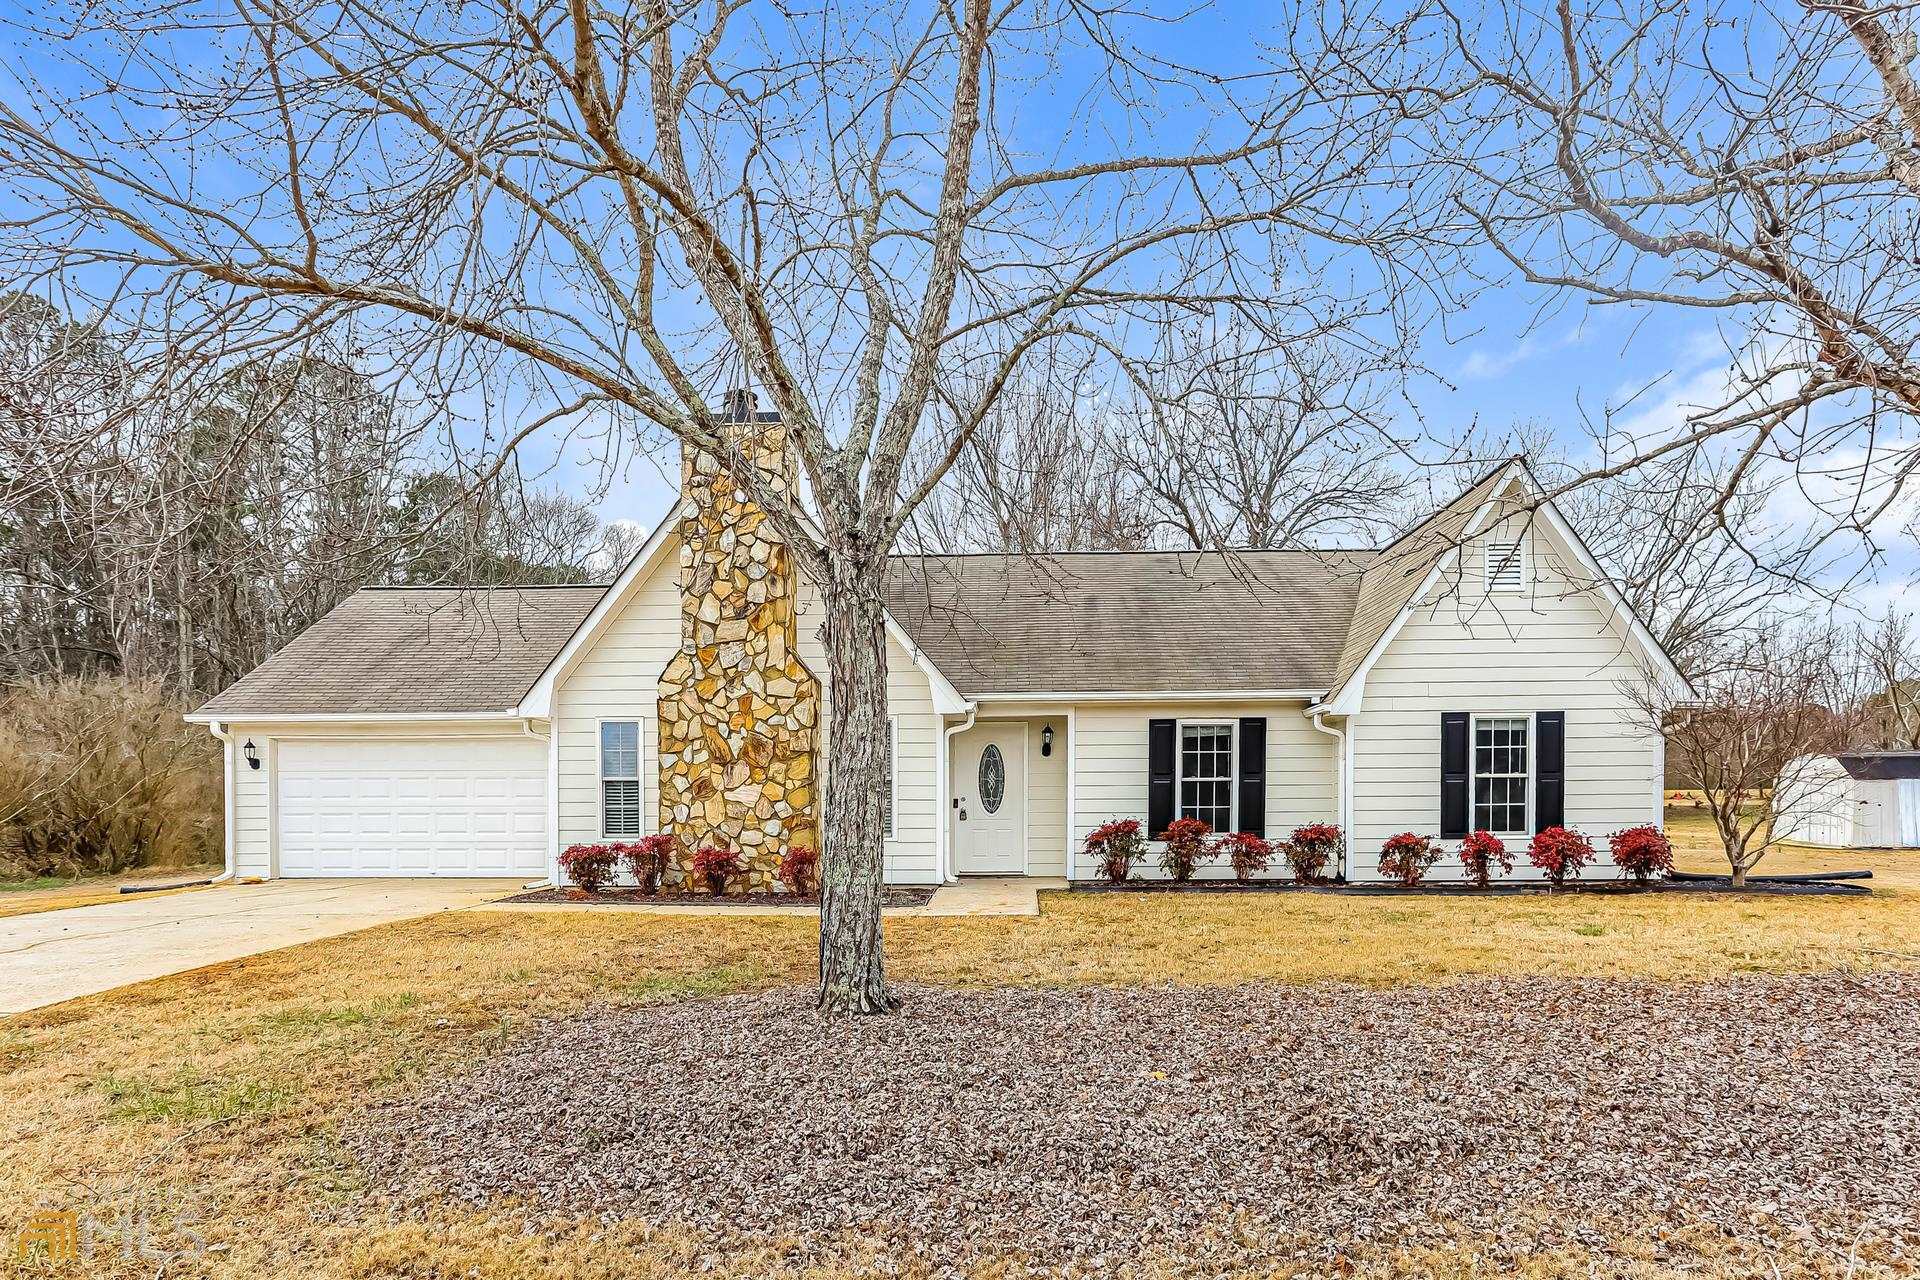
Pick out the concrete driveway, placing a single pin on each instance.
(58, 955)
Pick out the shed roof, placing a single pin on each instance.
(1880, 766)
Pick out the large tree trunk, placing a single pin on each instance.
(852, 972)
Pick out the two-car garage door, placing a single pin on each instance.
(412, 807)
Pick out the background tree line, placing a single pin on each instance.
(182, 537)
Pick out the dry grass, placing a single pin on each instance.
(225, 1086)
(57, 893)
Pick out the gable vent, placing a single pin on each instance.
(1506, 566)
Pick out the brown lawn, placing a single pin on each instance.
(216, 1095)
(29, 897)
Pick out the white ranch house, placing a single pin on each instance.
(1474, 674)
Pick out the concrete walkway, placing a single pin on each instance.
(60, 955)
(991, 896)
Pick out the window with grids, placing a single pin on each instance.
(1500, 774)
(1206, 774)
(1506, 566)
(620, 777)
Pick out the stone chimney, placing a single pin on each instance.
(739, 714)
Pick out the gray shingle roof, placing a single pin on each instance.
(1093, 622)
(1132, 622)
(414, 650)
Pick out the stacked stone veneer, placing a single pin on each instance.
(739, 714)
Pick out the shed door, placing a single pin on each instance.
(412, 807)
(1909, 807)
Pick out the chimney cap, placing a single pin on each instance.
(742, 405)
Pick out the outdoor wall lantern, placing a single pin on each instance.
(252, 753)
(1046, 741)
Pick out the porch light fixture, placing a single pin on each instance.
(1046, 740)
(252, 753)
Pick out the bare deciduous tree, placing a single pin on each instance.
(1752, 163)
(1891, 654)
(1237, 440)
(1747, 732)
(184, 536)
(617, 211)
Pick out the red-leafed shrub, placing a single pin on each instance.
(799, 870)
(648, 858)
(1560, 853)
(1406, 857)
(1185, 843)
(1641, 851)
(1480, 853)
(716, 866)
(1312, 849)
(589, 865)
(1246, 853)
(1116, 846)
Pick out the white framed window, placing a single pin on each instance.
(619, 777)
(887, 797)
(1507, 565)
(1204, 781)
(1502, 773)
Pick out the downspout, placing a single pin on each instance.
(551, 738)
(225, 734)
(944, 832)
(1343, 784)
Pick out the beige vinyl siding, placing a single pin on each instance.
(1555, 646)
(618, 679)
(252, 826)
(1047, 800)
(912, 855)
(1110, 766)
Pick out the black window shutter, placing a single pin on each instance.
(1549, 770)
(1454, 808)
(1253, 775)
(1160, 748)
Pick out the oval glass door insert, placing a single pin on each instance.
(993, 778)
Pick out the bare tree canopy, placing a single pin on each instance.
(1753, 729)
(182, 537)
(1754, 163)
(623, 211)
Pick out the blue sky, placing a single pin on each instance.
(1517, 356)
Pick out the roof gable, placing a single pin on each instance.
(1410, 568)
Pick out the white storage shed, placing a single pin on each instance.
(1855, 800)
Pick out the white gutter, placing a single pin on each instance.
(1160, 695)
(226, 745)
(364, 717)
(943, 844)
(1343, 781)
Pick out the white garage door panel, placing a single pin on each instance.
(419, 807)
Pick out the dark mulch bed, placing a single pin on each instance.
(1714, 884)
(1083, 1128)
(891, 896)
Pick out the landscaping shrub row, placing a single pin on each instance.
(592, 867)
(1121, 845)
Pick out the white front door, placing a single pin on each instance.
(989, 810)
